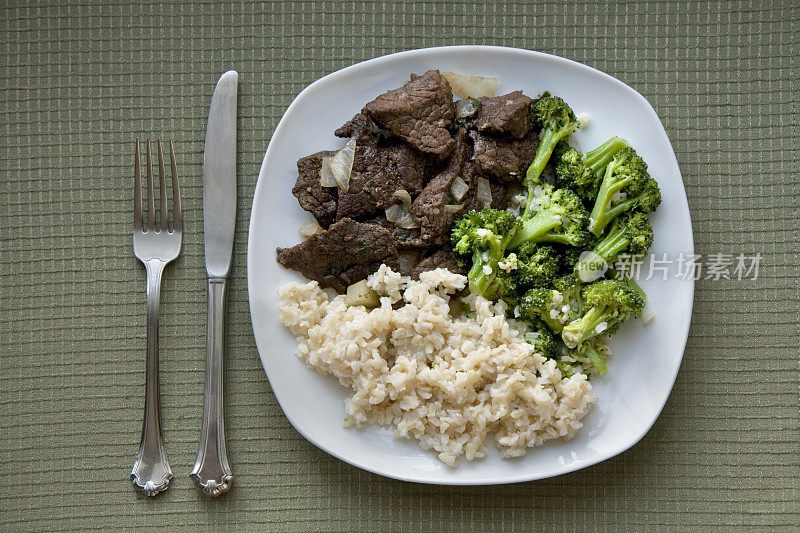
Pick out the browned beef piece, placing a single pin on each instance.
(506, 114)
(500, 198)
(428, 208)
(379, 170)
(502, 157)
(405, 239)
(318, 200)
(420, 112)
(442, 257)
(347, 252)
(361, 126)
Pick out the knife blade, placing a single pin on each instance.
(212, 473)
(219, 177)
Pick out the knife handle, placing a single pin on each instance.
(211, 472)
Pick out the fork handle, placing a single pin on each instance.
(151, 472)
(211, 472)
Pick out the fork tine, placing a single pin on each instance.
(162, 185)
(137, 189)
(177, 223)
(151, 202)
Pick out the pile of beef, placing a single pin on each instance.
(416, 139)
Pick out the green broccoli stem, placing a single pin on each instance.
(609, 186)
(615, 211)
(584, 328)
(476, 276)
(534, 228)
(599, 158)
(608, 248)
(548, 140)
(597, 360)
(479, 281)
(552, 323)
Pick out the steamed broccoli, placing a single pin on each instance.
(543, 341)
(557, 121)
(555, 306)
(537, 264)
(583, 172)
(593, 353)
(626, 176)
(532, 265)
(588, 358)
(607, 304)
(631, 232)
(645, 199)
(569, 257)
(559, 217)
(484, 235)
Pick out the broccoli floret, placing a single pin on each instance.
(632, 233)
(607, 304)
(593, 353)
(559, 217)
(569, 257)
(537, 264)
(554, 306)
(589, 358)
(532, 265)
(484, 235)
(505, 286)
(557, 122)
(543, 340)
(626, 174)
(646, 200)
(583, 172)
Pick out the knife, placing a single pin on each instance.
(211, 472)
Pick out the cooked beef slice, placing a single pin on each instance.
(506, 114)
(503, 157)
(443, 257)
(420, 112)
(356, 126)
(500, 197)
(379, 170)
(362, 126)
(429, 207)
(405, 239)
(347, 252)
(318, 200)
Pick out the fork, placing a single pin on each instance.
(155, 248)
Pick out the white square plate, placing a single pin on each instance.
(645, 359)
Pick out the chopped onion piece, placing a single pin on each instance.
(308, 229)
(403, 196)
(326, 178)
(484, 192)
(471, 86)
(459, 188)
(453, 208)
(342, 164)
(400, 216)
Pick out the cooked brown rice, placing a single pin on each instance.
(448, 382)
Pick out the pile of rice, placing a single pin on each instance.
(449, 382)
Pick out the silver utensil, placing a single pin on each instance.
(155, 247)
(211, 472)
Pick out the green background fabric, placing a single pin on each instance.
(81, 80)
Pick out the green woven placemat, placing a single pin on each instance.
(82, 79)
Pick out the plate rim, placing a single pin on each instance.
(683, 337)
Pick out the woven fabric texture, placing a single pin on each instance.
(82, 79)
